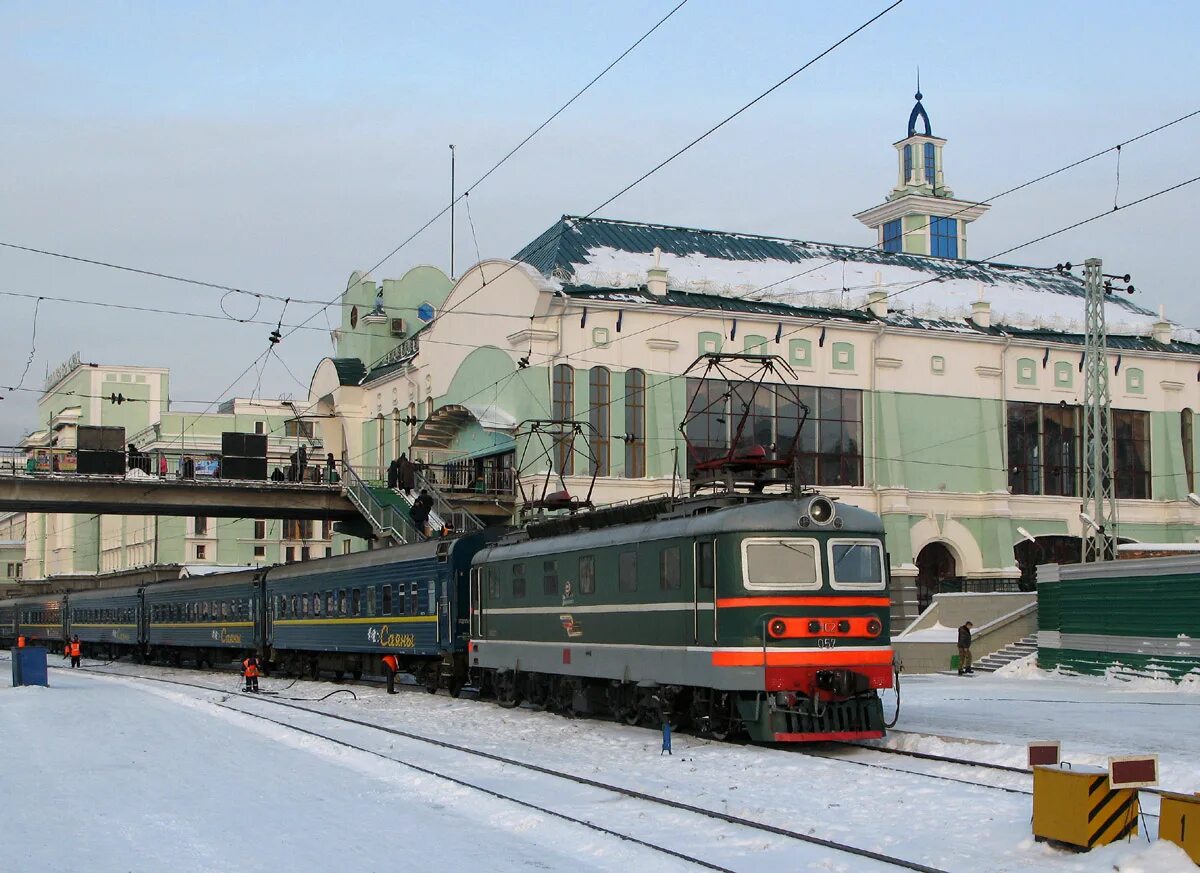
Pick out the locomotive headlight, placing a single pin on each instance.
(820, 510)
(777, 627)
(874, 627)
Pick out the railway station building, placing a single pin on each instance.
(943, 393)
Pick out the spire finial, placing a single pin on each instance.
(918, 94)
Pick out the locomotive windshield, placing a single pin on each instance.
(780, 562)
(856, 564)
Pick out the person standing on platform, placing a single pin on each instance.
(76, 650)
(406, 475)
(391, 666)
(964, 649)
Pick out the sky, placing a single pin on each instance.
(280, 146)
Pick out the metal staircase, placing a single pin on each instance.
(1012, 652)
(382, 508)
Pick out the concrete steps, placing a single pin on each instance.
(1012, 652)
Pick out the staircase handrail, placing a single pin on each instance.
(387, 519)
(464, 520)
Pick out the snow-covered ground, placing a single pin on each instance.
(116, 774)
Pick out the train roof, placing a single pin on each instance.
(103, 593)
(766, 515)
(204, 583)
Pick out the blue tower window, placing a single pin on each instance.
(930, 164)
(425, 312)
(907, 164)
(943, 237)
(893, 237)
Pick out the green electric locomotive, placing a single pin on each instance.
(739, 614)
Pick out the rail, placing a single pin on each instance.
(387, 519)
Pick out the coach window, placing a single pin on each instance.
(518, 580)
(316, 607)
(627, 572)
(780, 562)
(668, 568)
(856, 565)
(342, 610)
(386, 608)
(550, 577)
(355, 602)
(370, 605)
(587, 574)
(303, 604)
(330, 604)
(413, 609)
(432, 593)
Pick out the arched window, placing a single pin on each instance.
(1189, 448)
(635, 424)
(428, 408)
(562, 408)
(395, 433)
(600, 416)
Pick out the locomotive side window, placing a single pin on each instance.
(518, 580)
(587, 574)
(856, 565)
(627, 572)
(705, 571)
(770, 563)
(550, 577)
(493, 580)
(668, 568)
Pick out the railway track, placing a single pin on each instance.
(603, 790)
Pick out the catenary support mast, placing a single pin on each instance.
(1099, 493)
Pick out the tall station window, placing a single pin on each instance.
(943, 237)
(930, 164)
(1131, 453)
(893, 236)
(908, 163)
(562, 408)
(635, 424)
(600, 417)
(829, 449)
(1187, 441)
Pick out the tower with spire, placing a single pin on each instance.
(921, 216)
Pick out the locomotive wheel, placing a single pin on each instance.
(507, 694)
(356, 673)
(721, 721)
(537, 691)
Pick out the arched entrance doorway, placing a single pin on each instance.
(1050, 549)
(935, 568)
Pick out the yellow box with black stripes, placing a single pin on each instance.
(1179, 822)
(1078, 807)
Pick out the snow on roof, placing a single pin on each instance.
(616, 255)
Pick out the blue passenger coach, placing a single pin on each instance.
(343, 614)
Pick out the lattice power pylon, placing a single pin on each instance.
(1099, 514)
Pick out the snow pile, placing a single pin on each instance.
(1023, 297)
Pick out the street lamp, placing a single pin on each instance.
(1090, 522)
(1026, 535)
(1194, 499)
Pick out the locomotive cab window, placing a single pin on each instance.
(856, 565)
(772, 563)
(668, 568)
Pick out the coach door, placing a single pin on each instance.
(704, 593)
(476, 604)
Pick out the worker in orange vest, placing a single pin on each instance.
(250, 671)
(392, 667)
(20, 642)
(76, 650)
